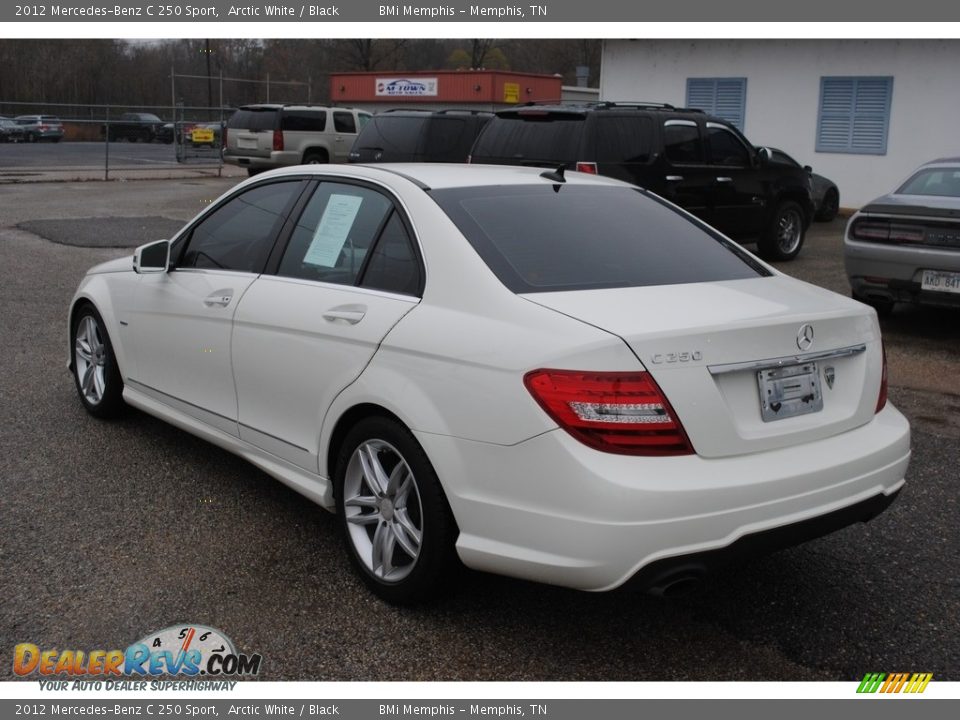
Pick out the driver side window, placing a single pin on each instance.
(239, 234)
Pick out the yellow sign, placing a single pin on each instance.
(201, 136)
(511, 92)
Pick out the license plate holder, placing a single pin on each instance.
(940, 281)
(789, 390)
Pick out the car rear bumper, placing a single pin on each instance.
(555, 511)
(256, 162)
(894, 272)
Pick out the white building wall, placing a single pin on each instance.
(783, 95)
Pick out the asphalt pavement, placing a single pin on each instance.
(114, 529)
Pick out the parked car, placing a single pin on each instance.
(559, 377)
(825, 193)
(263, 137)
(419, 136)
(905, 246)
(206, 135)
(10, 131)
(41, 127)
(701, 163)
(141, 127)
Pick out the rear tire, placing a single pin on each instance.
(393, 513)
(315, 157)
(784, 236)
(95, 370)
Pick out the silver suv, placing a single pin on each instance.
(263, 137)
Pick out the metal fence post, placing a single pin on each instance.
(106, 146)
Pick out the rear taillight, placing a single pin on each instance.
(224, 133)
(882, 396)
(623, 413)
(884, 231)
(277, 140)
(587, 167)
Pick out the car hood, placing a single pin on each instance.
(121, 264)
(896, 204)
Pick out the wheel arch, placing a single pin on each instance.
(94, 293)
(347, 420)
(799, 196)
(321, 149)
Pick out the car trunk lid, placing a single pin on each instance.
(717, 350)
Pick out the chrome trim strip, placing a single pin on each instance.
(787, 360)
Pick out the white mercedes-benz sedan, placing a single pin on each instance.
(557, 377)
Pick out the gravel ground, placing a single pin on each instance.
(112, 530)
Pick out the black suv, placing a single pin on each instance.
(700, 162)
(419, 136)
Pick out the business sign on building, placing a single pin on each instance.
(407, 87)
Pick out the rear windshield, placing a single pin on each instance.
(246, 119)
(939, 182)
(552, 138)
(538, 239)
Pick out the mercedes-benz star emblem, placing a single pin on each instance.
(805, 336)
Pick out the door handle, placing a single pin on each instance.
(724, 179)
(674, 178)
(221, 298)
(350, 314)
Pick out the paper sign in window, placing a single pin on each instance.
(332, 231)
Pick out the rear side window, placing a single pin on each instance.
(334, 233)
(536, 239)
(303, 121)
(393, 265)
(624, 139)
(551, 138)
(681, 140)
(344, 122)
(246, 119)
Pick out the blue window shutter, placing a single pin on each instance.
(724, 97)
(854, 115)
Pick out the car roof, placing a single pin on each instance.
(942, 161)
(439, 176)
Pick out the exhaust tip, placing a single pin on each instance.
(678, 583)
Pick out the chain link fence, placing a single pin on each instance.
(113, 137)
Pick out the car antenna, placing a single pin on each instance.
(555, 175)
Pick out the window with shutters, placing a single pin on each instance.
(724, 98)
(854, 115)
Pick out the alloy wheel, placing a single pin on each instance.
(90, 358)
(383, 510)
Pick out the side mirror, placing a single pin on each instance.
(152, 258)
(764, 156)
(808, 169)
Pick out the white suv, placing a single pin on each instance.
(263, 137)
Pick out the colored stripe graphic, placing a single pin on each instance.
(894, 683)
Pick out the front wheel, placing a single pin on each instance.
(394, 516)
(785, 233)
(95, 370)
